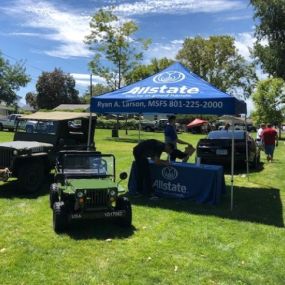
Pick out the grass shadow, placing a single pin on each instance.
(256, 205)
(242, 170)
(124, 140)
(99, 229)
(12, 189)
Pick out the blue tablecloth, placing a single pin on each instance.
(203, 183)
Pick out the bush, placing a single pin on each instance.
(102, 123)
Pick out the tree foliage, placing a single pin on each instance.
(12, 77)
(269, 99)
(31, 99)
(116, 49)
(97, 89)
(270, 32)
(142, 71)
(217, 61)
(55, 88)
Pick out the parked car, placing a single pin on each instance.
(216, 148)
(251, 128)
(85, 188)
(10, 122)
(158, 125)
(148, 126)
(37, 139)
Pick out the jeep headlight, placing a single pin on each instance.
(15, 152)
(80, 194)
(112, 193)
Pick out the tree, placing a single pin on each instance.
(217, 61)
(97, 89)
(140, 72)
(54, 88)
(269, 99)
(31, 99)
(12, 77)
(116, 50)
(269, 48)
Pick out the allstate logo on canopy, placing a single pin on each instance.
(168, 77)
(169, 173)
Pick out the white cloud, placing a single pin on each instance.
(234, 18)
(244, 42)
(160, 50)
(65, 27)
(83, 79)
(177, 6)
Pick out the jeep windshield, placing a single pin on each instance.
(88, 165)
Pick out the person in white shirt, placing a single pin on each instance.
(259, 131)
(258, 135)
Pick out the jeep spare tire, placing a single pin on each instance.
(31, 176)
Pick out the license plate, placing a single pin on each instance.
(221, 151)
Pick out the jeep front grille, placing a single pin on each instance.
(5, 158)
(96, 198)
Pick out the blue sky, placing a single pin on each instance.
(49, 34)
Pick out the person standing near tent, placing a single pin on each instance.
(170, 136)
(269, 137)
(148, 149)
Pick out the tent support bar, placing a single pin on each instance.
(232, 167)
(90, 117)
(140, 127)
(246, 149)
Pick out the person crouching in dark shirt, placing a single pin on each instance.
(148, 149)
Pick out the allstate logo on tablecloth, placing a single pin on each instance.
(169, 173)
(169, 77)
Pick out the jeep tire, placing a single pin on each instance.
(31, 176)
(256, 162)
(124, 204)
(59, 217)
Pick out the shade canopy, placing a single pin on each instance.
(196, 123)
(235, 120)
(174, 90)
(55, 116)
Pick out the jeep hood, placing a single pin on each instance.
(24, 144)
(91, 183)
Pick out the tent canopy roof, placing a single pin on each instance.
(55, 116)
(174, 90)
(196, 123)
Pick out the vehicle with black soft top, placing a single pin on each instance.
(85, 188)
(37, 140)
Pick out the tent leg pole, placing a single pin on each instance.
(232, 167)
(246, 149)
(140, 126)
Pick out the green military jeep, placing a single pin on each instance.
(85, 188)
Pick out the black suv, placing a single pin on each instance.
(37, 140)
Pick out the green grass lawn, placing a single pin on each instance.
(171, 242)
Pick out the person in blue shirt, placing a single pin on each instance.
(170, 136)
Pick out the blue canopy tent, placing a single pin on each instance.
(174, 90)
